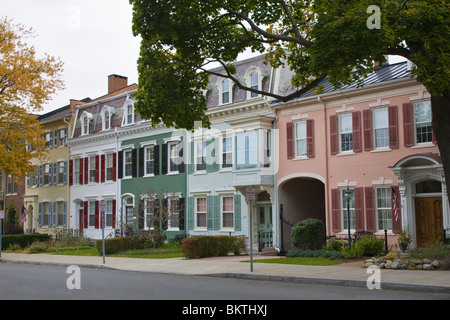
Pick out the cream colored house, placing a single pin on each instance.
(47, 190)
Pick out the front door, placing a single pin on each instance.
(265, 232)
(429, 224)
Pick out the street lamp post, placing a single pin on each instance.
(348, 197)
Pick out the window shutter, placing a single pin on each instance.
(397, 226)
(210, 212)
(97, 169)
(164, 163)
(237, 213)
(134, 163)
(393, 127)
(370, 209)
(334, 141)
(181, 166)
(165, 214)
(191, 165)
(114, 169)
(64, 214)
(65, 173)
(114, 208)
(408, 130)
(359, 209)
(97, 215)
(120, 165)
(309, 138)
(290, 140)
(156, 162)
(141, 161)
(356, 119)
(81, 173)
(54, 209)
(367, 122)
(335, 210)
(86, 170)
(86, 215)
(191, 213)
(103, 168)
(40, 209)
(181, 214)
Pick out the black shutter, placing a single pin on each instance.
(134, 163)
(181, 214)
(120, 165)
(141, 162)
(164, 162)
(156, 162)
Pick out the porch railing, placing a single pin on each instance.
(265, 240)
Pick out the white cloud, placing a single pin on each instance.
(92, 37)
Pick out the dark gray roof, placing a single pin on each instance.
(387, 72)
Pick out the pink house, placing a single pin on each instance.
(377, 142)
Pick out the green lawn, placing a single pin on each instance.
(300, 261)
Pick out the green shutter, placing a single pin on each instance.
(237, 212)
(216, 216)
(191, 159)
(210, 212)
(191, 213)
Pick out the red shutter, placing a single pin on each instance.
(86, 214)
(367, 121)
(397, 226)
(408, 129)
(86, 170)
(97, 168)
(335, 210)
(310, 138)
(370, 209)
(334, 141)
(290, 140)
(70, 172)
(114, 214)
(359, 209)
(103, 169)
(97, 215)
(356, 118)
(81, 174)
(114, 169)
(393, 127)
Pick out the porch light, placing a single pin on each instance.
(348, 197)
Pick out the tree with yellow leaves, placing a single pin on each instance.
(26, 84)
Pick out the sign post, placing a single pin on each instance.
(102, 209)
(250, 192)
(2, 216)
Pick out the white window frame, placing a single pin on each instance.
(76, 171)
(303, 139)
(109, 165)
(85, 121)
(344, 210)
(197, 156)
(197, 227)
(416, 123)
(172, 146)
(222, 212)
(128, 117)
(170, 199)
(378, 210)
(91, 214)
(376, 127)
(341, 133)
(222, 91)
(223, 153)
(92, 168)
(146, 161)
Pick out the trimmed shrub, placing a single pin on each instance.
(306, 233)
(332, 255)
(212, 246)
(24, 240)
(115, 245)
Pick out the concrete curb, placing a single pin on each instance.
(83, 265)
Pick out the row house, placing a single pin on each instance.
(47, 190)
(376, 141)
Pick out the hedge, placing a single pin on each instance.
(211, 246)
(115, 245)
(24, 240)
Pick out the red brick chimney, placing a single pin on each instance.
(116, 82)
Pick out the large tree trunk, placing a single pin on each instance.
(441, 128)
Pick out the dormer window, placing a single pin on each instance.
(254, 84)
(128, 117)
(225, 91)
(85, 120)
(107, 115)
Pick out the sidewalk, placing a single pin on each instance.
(344, 274)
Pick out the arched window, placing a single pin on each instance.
(85, 121)
(225, 93)
(254, 84)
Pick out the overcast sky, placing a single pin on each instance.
(92, 37)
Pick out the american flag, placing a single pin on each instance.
(394, 204)
(23, 215)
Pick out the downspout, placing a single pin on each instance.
(327, 194)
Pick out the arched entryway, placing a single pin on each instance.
(300, 198)
(424, 203)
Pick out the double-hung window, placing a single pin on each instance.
(174, 212)
(149, 160)
(381, 127)
(128, 163)
(227, 152)
(91, 213)
(384, 209)
(200, 212)
(246, 149)
(76, 171)
(300, 139)
(346, 132)
(227, 212)
(92, 167)
(109, 167)
(344, 213)
(174, 156)
(422, 120)
(109, 214)
(225, 91)
(254, 84)
(200, 156)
